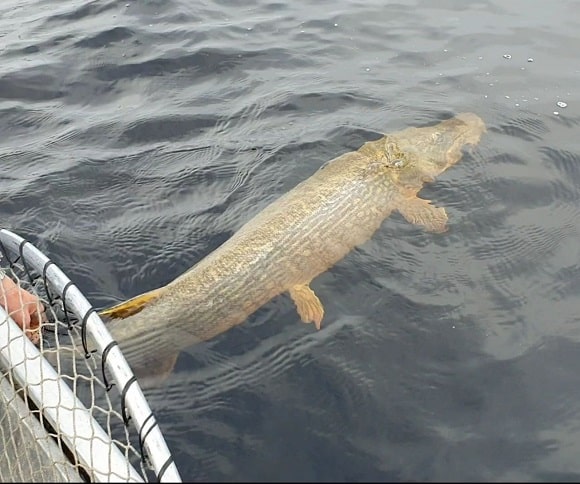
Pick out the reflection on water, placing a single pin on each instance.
(136, 137)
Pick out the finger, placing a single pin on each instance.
(37, 315)
(21, 317)
(32, 328)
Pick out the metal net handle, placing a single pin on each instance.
(132, 398)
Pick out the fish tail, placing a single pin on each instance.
(131, 306)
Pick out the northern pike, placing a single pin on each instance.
(291, 241)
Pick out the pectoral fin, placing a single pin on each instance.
(421, 212)
(131, 306)
(308, 305)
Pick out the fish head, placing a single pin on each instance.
(418, 155)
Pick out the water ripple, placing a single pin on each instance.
(136, 137)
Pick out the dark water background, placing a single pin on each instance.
(137, 137)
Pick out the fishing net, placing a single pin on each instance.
(67, 414)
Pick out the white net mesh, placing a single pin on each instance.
(81, 418)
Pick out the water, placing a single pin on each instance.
(136, 137)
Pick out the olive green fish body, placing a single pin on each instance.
(294, 239)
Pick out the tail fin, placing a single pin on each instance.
(131, 306)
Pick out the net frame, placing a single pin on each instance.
(34, 377)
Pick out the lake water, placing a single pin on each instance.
(137, 137)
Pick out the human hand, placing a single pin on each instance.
(23, 307)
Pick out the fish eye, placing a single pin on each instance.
(398, 163)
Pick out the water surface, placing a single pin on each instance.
(136, 137)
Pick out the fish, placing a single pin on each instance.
(297, 237)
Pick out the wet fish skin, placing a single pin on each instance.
(292, 241)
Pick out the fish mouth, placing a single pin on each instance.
(453, 134)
